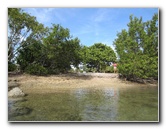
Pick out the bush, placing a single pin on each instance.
(11, 67)
(72, 71)
(36, 69)
(109, 69)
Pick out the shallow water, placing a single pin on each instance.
(107, 104)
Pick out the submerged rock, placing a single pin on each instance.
(16, 92)
(15, 109)
(18, 111)
(12, 85)
(13, 101)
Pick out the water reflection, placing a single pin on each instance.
(105, 104)
(79, 93)
(110, 92)
(98, 105)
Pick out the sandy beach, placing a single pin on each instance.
(60, 83)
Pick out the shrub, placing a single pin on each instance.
(109, 69)
(36, 69)
(11, 67)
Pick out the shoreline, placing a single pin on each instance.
(60, 83)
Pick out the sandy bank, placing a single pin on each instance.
(61, 83)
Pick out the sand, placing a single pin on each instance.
(60, 83)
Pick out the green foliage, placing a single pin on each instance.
(11, 67)
(20, 27)
(56, 52)
(137, 49)
(109, 69)
(62, 50)
(97, 56)
(32, 52)
(52, 49)
(36, 69)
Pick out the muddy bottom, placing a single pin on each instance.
(137, 103)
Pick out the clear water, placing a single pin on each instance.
(107, 104)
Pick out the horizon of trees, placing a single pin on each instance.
(42, 50)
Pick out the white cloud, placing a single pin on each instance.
(93, 21)
(100, 16)
(93, 25)
(46, 15)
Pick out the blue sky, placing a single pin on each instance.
(91, 25)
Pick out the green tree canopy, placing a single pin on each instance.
(54, 54)
(98, 56)
(62, 49)
(21, 26)
(137, 48)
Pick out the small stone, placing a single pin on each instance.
(16, 92)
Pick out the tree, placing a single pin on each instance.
(98, 56)
(21, 26)
(53, 54)
(32, 52)
(62, 50)
(137, 49)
